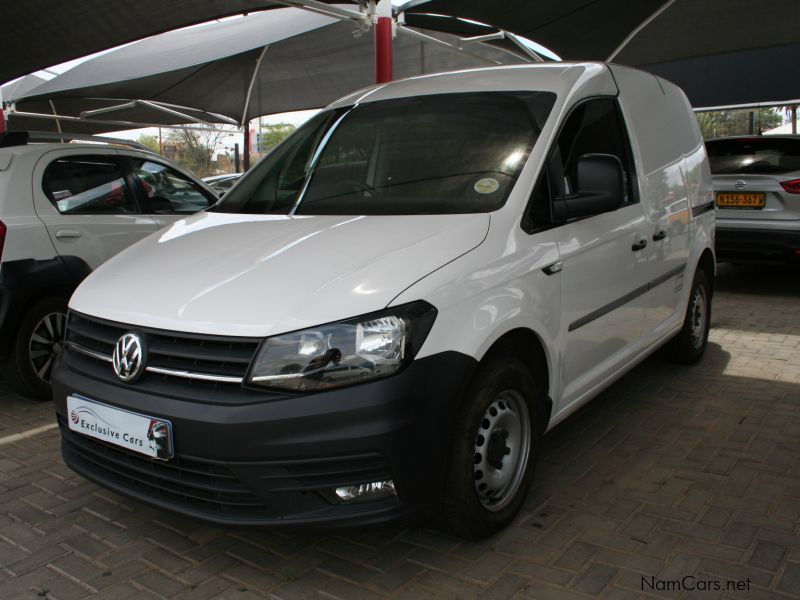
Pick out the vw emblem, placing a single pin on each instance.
(739, 185)
(128, 357)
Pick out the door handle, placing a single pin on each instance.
(68, 234)
(553, 269)
(659, 235)
(641, 244)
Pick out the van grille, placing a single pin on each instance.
(178, 364)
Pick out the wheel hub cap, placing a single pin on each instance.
(46, 342)
(698, 314)
(502, 446)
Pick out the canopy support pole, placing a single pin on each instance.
(638, 28)
(2, 121)
(58, 122)
(246, 153)
(328, 10)
(257, 66)
(521, 45)
(175, 113)
(383, 40)
(108, 109)
(405, 30)
(126, 124)
(245, 120)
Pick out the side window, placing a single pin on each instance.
(87, 185)
(593, 127)
(168, 191)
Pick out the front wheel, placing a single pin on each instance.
(39, 339)
(496, 441)
(690, 344)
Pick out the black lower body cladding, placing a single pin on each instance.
(278, 462)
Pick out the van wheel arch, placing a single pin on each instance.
(709, 266)
(507, 404)
(527, 347)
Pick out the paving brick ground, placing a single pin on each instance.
(673, 472)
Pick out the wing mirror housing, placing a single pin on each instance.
(600, 188)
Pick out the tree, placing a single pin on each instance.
(198, 148)
(150, 141)
(720, 123)
(769, 118)
(273, 134)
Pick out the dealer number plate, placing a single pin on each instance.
(139, 433)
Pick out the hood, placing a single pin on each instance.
(260, 275)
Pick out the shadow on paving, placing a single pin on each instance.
(762, 280)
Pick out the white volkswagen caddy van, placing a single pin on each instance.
(389, 311)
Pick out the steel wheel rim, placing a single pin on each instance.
(698, 314)
(501, 451)
(45, 344)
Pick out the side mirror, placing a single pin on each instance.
(600, 188)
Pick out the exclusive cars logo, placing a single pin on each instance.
(128, 357)
(75, 418)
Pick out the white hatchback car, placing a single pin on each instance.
(384, 317)
(64, 210)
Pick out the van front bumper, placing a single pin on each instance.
(277, 463)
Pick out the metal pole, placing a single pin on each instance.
(794, 118)
(246, 154)
(2, 113)
(383, 42)
(160, 144)
(236, 157)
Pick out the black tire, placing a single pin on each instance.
(690, 344)
(464, 513)
(20, 370)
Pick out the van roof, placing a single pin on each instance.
(558, 77)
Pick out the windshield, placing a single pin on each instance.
(437, 154)
(759, 155)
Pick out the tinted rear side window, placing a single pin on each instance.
(761, 155)
(87, 185)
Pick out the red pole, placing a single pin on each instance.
(2, 121)
(383, 50)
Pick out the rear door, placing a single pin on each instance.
(86, 202)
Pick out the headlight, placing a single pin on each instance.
(343, 353)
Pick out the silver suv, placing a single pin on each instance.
(757, 186)
(65, 208)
